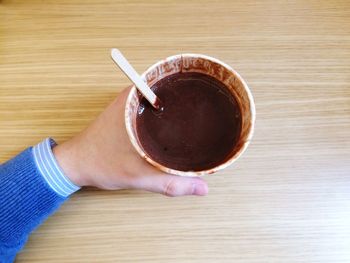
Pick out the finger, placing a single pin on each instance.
(173, 185)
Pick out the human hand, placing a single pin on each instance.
(102, 156)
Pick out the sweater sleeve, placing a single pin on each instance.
(26, 200)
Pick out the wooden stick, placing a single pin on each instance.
(131, 73)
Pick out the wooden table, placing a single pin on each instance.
(286, 200)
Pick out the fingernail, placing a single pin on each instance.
(199, 189)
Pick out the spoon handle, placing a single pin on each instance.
(130, 72)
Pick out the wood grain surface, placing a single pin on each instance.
(286, 200)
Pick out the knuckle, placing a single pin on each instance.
(170, 189)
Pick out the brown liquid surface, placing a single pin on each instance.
(198, 126)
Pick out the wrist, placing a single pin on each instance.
(67, 156)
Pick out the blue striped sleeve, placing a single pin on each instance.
(50, 170)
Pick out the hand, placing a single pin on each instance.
(102, 156)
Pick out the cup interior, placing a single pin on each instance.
(205, 65)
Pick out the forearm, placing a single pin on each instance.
(27, 197)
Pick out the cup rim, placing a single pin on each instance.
(219, 167)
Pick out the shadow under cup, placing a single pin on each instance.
(201, 64)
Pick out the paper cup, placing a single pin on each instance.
(201, 64)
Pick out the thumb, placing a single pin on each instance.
(173, 185)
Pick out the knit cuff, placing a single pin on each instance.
(50, 169)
